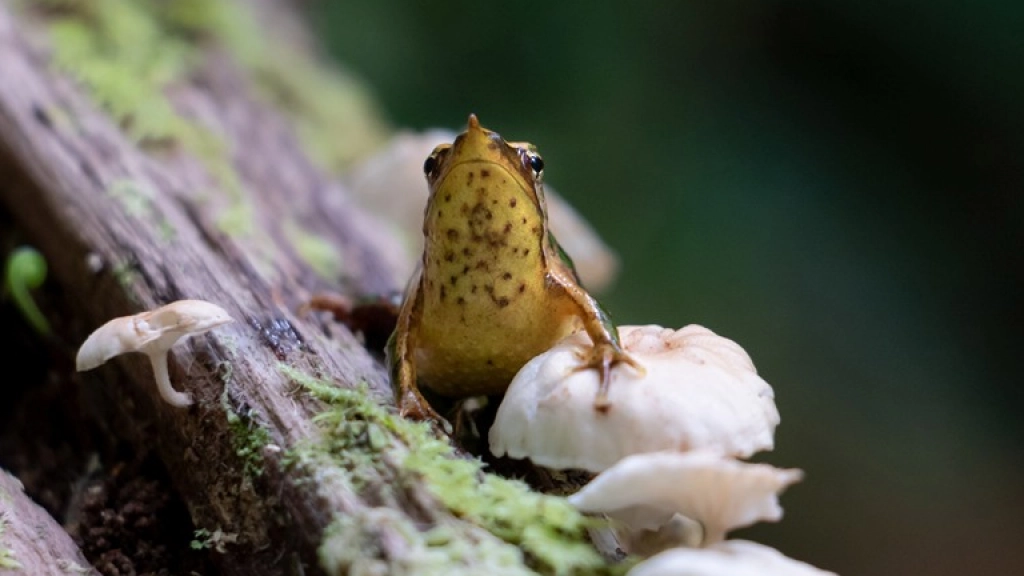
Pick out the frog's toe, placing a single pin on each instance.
(413, 406)
(337, 304)
(627, 358)
(604, 358)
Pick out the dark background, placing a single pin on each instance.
(837, 186)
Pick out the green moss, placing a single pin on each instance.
(333, 113)
(127, 275)
(7, 559)
(119, 52)
(248, 438)
(137, 200)
(550, 532)
(349, 548)
(217, 540)
(127, 53)
(318, 252)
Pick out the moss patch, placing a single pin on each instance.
(332, 112)
(137, 200)
(315, 250)
(349, 547)
(218, 540)
(120, 52)
(248, 438)
(127, 275)
(550, 533)
(7, 558)
(127, 53)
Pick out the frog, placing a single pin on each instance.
(493, 288)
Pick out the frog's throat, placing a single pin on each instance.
(468, 180)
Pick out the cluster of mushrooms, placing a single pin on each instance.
(668, 454)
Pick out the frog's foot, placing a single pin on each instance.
(337, 304)
(604, 357)
(374, 316)
(414, 406)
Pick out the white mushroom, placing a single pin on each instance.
(645, 491)
(700, 391)
(153, 333)
(729, 558)
(678, 531)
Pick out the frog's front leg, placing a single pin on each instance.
(607, 350)
(399, 355)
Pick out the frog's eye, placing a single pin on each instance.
(536, 164)
(436, 159)
(430, 164)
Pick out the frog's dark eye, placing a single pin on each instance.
(536, 164)
(430, 164)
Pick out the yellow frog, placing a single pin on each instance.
(494, 289)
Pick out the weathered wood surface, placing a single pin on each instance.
(31, 542)
(61, 162)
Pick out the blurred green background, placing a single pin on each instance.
(836, 186)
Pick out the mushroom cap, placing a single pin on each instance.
(644, 491)
(733, 557)
(178, 319)
(116, 337)
(151, 331)
(700, 391)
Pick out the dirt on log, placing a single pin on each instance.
(125, 228)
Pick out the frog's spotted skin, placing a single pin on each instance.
(492, 291)
(488, 237)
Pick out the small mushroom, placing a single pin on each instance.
(732, 558)
(645, 491)
(700, 391)
(153, 333)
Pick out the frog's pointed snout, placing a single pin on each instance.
(476, 141)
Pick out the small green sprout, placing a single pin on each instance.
(26, 271)
(216, 540)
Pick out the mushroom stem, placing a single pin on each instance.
(163, 381)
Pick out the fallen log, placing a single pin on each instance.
(290, 454)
